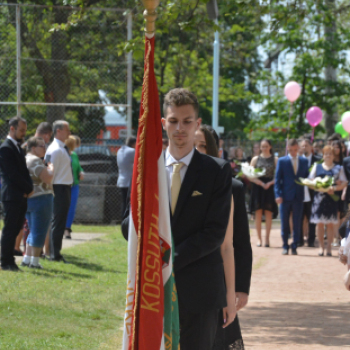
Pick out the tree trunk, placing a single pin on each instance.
(331, 113)
(60, 83)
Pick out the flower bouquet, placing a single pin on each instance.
(319, 184)
(250, 172)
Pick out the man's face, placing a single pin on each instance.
(306, 148)
(293, 150)
(20, 131)
(46, 137)
(64, 133)
(181, 125)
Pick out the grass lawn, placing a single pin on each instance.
(77, 306)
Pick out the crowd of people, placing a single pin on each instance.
(39, 192)
(304, 212)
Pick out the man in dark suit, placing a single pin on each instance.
(306, 147)
(200, 210)
(290, 195)
(16, 186)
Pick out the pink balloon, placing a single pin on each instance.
(346, 123)
(292, 91)
(314, 116)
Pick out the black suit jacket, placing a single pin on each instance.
(241, 239)
(199, 226)
(16, 180)
(346, 166)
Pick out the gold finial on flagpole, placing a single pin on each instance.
(150, 15)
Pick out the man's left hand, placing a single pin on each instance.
(241, 300)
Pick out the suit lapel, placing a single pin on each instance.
(187, 184)
(19, 155)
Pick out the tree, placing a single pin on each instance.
(313, 34)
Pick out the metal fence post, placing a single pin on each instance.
(18, 57)
(129, 78)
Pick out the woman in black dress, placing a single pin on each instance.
(262, 200)
(230, 338)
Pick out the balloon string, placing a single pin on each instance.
(313, 134)
(290, 115)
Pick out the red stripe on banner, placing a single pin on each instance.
(147, 326)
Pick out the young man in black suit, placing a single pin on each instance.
(16, 187)
(200, 208)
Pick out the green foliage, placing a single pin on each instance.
(315, 34)
(76, 306)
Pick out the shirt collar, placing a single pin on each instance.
(13, 140)
(169, 159)
(296, 157)
(60, 143)
(308, 157)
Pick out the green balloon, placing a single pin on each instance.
(344, 115)
(340, 130)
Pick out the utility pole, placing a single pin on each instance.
(213, 13)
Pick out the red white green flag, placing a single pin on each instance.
(151, 317)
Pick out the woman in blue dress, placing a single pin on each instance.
(324, 209)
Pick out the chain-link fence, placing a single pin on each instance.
(59, 62)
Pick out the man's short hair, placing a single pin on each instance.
(14, 121)
(292, 142)
(180, 97)
(44, 128)
(131, 141)
(307, 140)
(58, 125)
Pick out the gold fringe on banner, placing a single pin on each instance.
(139, 180)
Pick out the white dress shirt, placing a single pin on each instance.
(14, 142)
(170, 160)
(62, 164)
(291, 159)
(309, 159)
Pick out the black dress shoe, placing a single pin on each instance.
(311, 245)
(294, 252)
(12, 267)
(285, 252)
(17, 252)
(60, 259)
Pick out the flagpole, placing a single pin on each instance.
(150, 15)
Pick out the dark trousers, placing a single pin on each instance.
(14, 215)
(197, 330)
(61, 205)
(287, 207)
(124, 192)
(312, 227)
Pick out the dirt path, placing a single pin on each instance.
(296, 302)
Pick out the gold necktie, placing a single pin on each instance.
(175, 185)
(295, 165)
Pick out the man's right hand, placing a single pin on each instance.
(279, 200)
